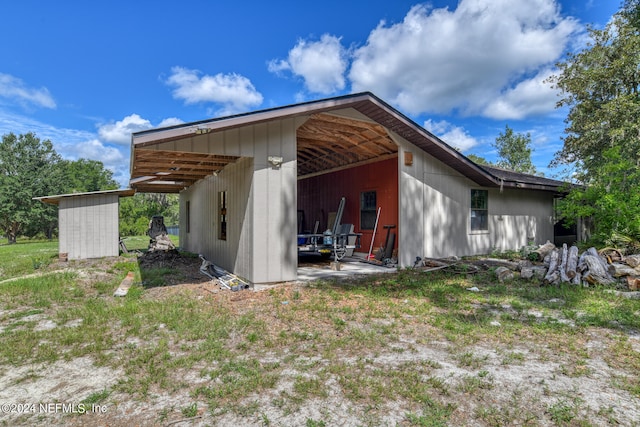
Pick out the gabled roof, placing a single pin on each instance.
(174, 174)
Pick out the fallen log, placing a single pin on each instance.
(596, 271)
(564, 278)
(553, 275)
(621, 270)
(577, 279)
(544, 250)
(632, 260)
(572, 262)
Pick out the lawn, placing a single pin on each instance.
(407, 348)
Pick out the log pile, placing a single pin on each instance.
(607, 267)
(551, 265)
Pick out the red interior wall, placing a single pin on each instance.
(319, 195)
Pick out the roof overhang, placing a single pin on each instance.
(54, 200)
(173, 171)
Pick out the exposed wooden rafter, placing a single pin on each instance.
(325, 143)
(329, 142)
(165, 171)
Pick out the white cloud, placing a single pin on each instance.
(14, 88)
(171, 121)
(234, 92)
(72, 144)
(120, 131)
(441, 60)
(113, 158)
(453, 135)
(321, 64)
(95, 149)
(528, 98)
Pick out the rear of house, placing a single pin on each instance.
(250, 183)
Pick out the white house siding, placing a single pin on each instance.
(435, 212)
(89, 226)
(261, 230)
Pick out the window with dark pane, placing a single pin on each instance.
(479, 210)
(222, 205)
(188, 215)
(368, 206)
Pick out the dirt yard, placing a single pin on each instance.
(326, 355)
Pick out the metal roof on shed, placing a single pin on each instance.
(55, 199)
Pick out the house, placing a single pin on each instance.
(88, 223)
(246, 180)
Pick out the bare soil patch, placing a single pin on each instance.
(336, 358)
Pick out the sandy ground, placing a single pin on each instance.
(537, 381)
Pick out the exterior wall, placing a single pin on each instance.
(89, 226)
(432, 204)
(261, 243)
(435, 209)
(319, 195)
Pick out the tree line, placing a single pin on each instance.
(30, 167)
(599, 86)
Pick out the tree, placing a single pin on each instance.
(600, 87)
(479, 160)
(85, 175)
(514, 151)
(27, 170)
(136, 211)
(30, 168)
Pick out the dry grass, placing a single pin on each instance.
(407, 348)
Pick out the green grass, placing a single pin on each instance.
(26, 257)
(359, 340)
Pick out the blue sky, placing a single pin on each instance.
(86, 74)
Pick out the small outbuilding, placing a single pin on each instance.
(88, 223)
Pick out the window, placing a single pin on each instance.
(479, 210)
(222, 206)
(367, 210)
(188, 215)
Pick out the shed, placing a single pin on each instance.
(246, 180)
(88, 223)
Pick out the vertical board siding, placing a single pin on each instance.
(428, 202)
(261, 241)
(435, 212)
(89, 226)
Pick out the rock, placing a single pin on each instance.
(504, 274)
(539, 271)
(526, 272)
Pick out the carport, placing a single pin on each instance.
(249, 183)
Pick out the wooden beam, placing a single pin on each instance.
(352, 165)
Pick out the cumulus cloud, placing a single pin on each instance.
(171, 121)
(95, 149)
(321, 64)
(443, 61)
(73, 146)
(113, 158)
(528, 98)
(234, 92)
(120, 131)
(453, 135)
(15, 89)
